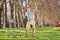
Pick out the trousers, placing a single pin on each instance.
(28, 25)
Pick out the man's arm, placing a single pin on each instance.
(26, 16)
(35, 8)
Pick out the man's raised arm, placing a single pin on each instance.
(35, 8)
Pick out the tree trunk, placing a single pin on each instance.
(5, 14)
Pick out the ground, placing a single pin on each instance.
(47, 33)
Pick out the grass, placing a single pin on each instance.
(47, 33)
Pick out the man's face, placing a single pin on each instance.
(28, 9)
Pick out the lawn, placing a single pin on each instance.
(47, 33)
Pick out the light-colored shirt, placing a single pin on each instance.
(30, 15)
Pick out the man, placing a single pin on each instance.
(30, 21)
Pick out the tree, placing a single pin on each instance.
(1, 9)
(5, 14)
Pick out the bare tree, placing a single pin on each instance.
(5, 14)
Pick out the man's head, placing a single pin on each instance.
(28, 8)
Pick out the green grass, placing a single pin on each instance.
(47, 33)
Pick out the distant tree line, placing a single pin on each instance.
(11, 12)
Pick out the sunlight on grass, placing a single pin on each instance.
(47, 33)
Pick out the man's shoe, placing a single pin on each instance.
(26, 35)
(33, 35)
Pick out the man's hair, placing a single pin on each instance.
(28, 6)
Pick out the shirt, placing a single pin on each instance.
(30, 15)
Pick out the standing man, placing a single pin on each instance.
(30, 15)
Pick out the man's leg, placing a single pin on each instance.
(33, 29)
(27, 29)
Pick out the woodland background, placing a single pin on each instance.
(48, 12)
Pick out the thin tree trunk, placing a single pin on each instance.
(14, 13)
(5, 15)
(11, 11)
(1, 4)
